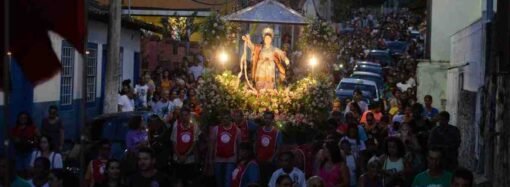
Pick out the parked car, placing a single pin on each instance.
(378, 79)
(345, 95)
(114, 128)
(397, 48)
(368, 63)
(382, 57)
(363, 85)
(368, 68)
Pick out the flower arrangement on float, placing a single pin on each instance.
(305, 102)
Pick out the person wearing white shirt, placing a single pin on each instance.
(126, 102)
(41, 173)
(141, 91)
(286, 160)
(163, 106)
(196, 70)
(45, 150)
(357, 96)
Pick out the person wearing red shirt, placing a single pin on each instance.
(244, 125)
(23, 136)
(267, 144)
(225, 139)
(247, 171)
(184, 137)
(96, 168)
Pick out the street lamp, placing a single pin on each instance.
(223, 58)
(313, 62)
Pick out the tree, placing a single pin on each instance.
(112, 67)
(341, 10)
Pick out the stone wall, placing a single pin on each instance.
(466, 124)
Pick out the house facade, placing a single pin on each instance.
(64, 90)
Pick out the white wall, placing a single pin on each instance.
(467, 46)
(448, 17)
(130, 41)
(431, 81)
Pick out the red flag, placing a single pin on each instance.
(29, 43)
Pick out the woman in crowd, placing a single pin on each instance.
(393, 159)
(373, 177)
(137, 137)
(23, 136)
(52, 127)
(165, 82)
(351, 161)
(332, 168)
(46, 150)
(112, 175)
(356, 143)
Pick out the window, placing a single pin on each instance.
(91, 72)
(66, 82)
(121, 61)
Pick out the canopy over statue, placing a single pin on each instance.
(268, 11)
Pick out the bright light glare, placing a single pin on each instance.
(341, 66)
(223, 57)
(313, 61)
(9, 53)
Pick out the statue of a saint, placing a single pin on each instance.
(265, 59)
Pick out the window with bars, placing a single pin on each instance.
(91, 72)
(66, 80)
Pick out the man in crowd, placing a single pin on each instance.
(247, 171)
(286, 162)
(429, 112)
(446, 137)
(462, 178)
(141, 91)
(11, 177)
(244, 125)
(357, 95)
(184, 138)
(435, 175)
(147, 174)
(267, 143)
(225, 139)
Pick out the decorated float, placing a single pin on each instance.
(260, 76)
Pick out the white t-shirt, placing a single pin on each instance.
(141, 92)
(351, 164)
(403, 87)
(55, 159)
(177, 103)
(161, 107)
(196, 71)
(127, 105)
(356, 146)
(297, 176)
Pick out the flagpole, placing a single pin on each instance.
(6, 88)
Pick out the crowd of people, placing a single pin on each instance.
(396, 142)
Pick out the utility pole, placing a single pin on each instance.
(6, 87)
(112, 66)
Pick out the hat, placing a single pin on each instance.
(268, 31)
